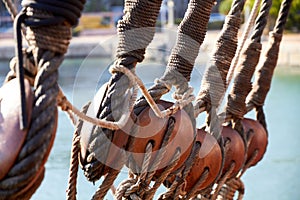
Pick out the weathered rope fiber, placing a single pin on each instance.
(28, 171)
(135, 30)
(244, 37)
(74, 161)
(262, 82)
(242, 85)
(214, 81)
(191, 33)
(137, 27)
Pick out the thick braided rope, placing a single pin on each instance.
(262, 83)
(214, 81)
(242, 85)
(28, 172)
(135, 31)
(38, 140)
(191, 33)
(245, 35)
(137, 27)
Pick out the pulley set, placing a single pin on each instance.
(158, 141)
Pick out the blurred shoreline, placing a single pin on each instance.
(103, 44)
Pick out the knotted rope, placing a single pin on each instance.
(28, 171)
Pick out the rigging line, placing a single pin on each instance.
(245, 35)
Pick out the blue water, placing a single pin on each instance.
(275, 177)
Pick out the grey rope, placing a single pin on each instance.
(182, 58)
(262, 82)
(135, 31)
(242, 85)
(214, 81)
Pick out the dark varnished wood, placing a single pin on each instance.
(11, 137)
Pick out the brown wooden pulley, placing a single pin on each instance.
(258, 139)
(152, 129)
(209, 158)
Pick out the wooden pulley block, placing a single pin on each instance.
(258, 139)
(116, 145)
(11, 137)
(234, 150)
(152, 129)
(209, 158)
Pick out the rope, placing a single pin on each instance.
(212, 86)
(214, 82)
(232, 186)
(201, 179)
(28, 171)
(184, 53)
(163, 176)
(175, 189)
(135, 31)
(223, 180)
(38, 141)
(242, 85)
(139, 185)
(267, 65)
(74, 162)
(182, 100)
(179, 68)
(245, 35)
(191, 34)
(161, 153)
(106, 184)
(137, 27)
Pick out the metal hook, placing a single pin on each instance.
(20, 71)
